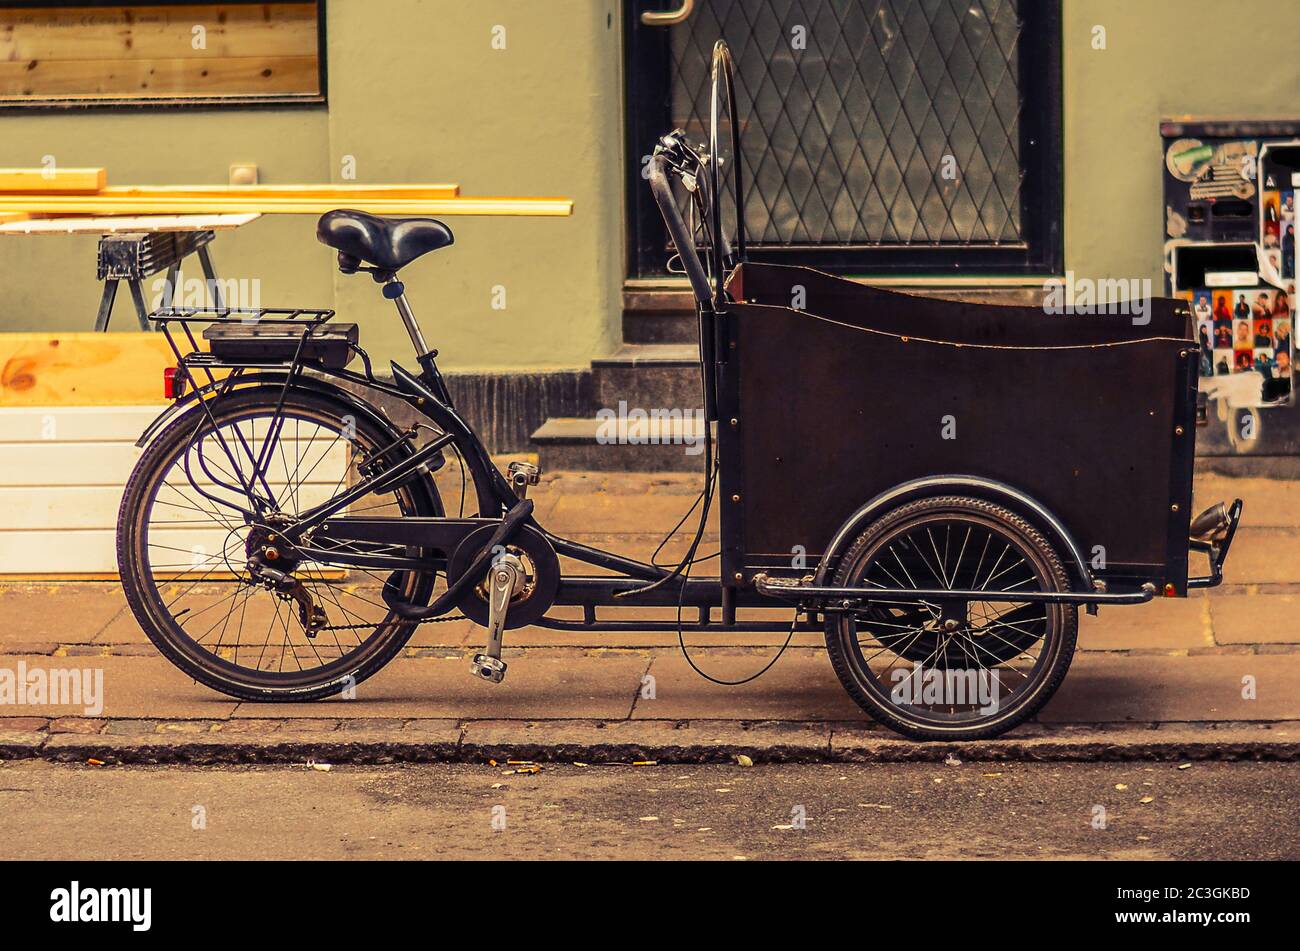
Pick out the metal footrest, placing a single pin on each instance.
(1212, 532)
(489, 668)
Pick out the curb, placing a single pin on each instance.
(626, 742)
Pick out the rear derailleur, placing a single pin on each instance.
(271, 563)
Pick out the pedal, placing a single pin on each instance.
(492, 669)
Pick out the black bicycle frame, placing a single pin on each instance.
(427, 395)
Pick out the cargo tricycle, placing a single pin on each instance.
(937, 486)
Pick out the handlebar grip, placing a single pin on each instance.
(677, 230)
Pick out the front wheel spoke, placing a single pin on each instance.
(939, 559)
(897, 652)
(1019, 650)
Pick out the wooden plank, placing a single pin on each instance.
(59, 554)
(324, 192)
(105, 80)
(83, 369)
(22, 424)
(53, 180)
(74, 423)
(91, 554)
(96, 205)
(68, 224)
(62, 508)
(94, 550)
(143, 32)
(110, 463)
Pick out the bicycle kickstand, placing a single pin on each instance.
(505, 580)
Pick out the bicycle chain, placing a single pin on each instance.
(363, 627)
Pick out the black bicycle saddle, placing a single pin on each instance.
(386, 243)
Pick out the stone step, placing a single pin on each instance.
(648, 376)
(608, 444)
(659, 316)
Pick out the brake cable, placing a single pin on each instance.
(689, 560)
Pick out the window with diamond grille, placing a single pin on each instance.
(877, 135)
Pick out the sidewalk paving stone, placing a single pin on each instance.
(630, 741)
(1171, 623)
(1256, 618)
(1262, 556)
(133, 687)
(16, 744)
(1102, 689)
(81, 725)
(801, 686)
(39, 648)
(25, 724)
(1178, 743)
(542, 685)
(1268, 502)
(609, 513)
(28, 613)
(215, 748)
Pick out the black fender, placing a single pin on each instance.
(272, 383)
(978, 487)
(275, 381)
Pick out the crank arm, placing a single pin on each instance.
(505, 578)
(510, 524)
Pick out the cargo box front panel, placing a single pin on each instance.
(829, 415)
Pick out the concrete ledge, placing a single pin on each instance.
(1159, 742)
(206, 749)
(664, 741)
(20, 745)
(638, 740)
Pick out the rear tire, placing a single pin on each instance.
(955, 543)
(161, 499)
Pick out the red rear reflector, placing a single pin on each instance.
(173, 383)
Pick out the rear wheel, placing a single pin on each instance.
(951, 668)
(184, 548)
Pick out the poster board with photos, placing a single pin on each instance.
(1230, 209)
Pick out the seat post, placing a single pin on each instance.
(395, 291)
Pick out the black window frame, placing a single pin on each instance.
(156, 103)
(1040, 254)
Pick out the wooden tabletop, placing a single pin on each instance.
(119, 224)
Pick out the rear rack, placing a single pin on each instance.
(243, 315)
(246, 338)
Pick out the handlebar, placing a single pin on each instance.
(682, 238)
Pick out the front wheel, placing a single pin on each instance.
(942, 668)
(184, 547)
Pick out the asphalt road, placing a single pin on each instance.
(907, 811)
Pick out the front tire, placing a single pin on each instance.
(941, 669)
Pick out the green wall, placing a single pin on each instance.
(541, 117)
(417, 94)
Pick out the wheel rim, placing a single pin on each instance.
(945, 663)
(192, 548)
